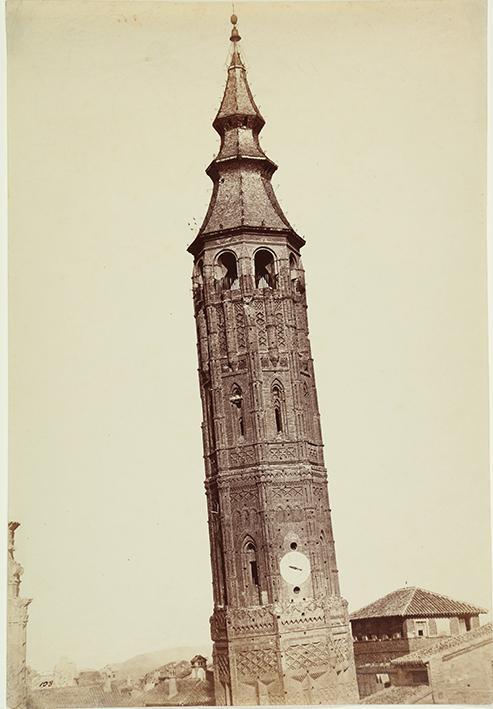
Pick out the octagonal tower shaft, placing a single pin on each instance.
(280, 627)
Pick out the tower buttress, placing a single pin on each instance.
(280, 626)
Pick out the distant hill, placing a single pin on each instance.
(139, 665)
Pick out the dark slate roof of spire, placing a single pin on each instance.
(242, 196)
(237, 99)
(412, 601)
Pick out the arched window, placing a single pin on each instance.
(251, 572)
(308, 413)
(210, 419)
(199, 272)
(251, 554)
(198, 280)
(265, 273)
(296, 274)
(236, 400)
(226, 271)
(278, 405)
(278, 415)
(324, 551)
(293, 269)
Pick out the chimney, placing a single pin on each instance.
(172, 688)
(108, 676)
(199, 666)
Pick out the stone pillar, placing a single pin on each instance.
(17, 615)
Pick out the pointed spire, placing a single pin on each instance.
(237, 99)
(243, 197)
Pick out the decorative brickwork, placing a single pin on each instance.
(256, 663)
(282, 452)
(222, 667)
(251, 622)
(307, 656)
(241, 456)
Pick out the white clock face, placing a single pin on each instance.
(295, 567)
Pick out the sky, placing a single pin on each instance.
(375, 114)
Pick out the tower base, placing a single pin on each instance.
(291, 653)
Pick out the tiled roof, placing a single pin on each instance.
(412, 601)
(376, 666)
(191, 692)
(78, 697)
(420, 657)
(180, 669)
(88, 678)
(399, 695)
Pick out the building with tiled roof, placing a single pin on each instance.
(454, 670)
(184, 692)
(174, 684)
(414, 602)
(170, 669)
(404, 621)
(180, 684)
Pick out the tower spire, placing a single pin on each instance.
(237, 99)
(243, 197)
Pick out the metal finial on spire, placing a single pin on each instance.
(235, 35)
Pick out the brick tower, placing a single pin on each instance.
(280, 627)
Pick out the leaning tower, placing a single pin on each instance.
(280, 626)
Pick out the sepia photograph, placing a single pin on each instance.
(248, 388)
